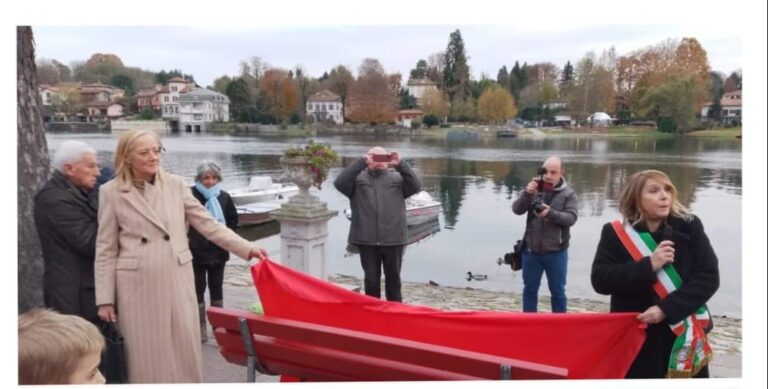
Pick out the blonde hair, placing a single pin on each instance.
(631, 193)
(124, 146)
(52, 344)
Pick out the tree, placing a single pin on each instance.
(280, 95)
(220, 84)
(691, 58)
(496, 105)
(33, 169)
(405, 99)
(503, 77)
(420, 71)
(567, 74)
(515, 82)
(678, 100)
(456, 72)
(463, 110)
(123, 82)
(162, 76)
(146, 114)
(302, 84)
(435, 68)
(478, 87)
(733, 82)
(431, 120)
(339, 81)
(52, 72)
(433, 103)
(240, 100)
(370, 97)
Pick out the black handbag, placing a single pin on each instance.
(113, 364)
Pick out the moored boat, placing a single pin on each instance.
(419, 208)
(261, 188)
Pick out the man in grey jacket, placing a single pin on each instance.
(377, 185)
(547, 234)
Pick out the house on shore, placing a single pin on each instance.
(730, 113)
(406, 116)
(169, 100)
(324, 106)
(200, 107)
(417, 86)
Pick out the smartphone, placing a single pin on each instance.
(381, 158)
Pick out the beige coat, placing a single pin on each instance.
(144, 267)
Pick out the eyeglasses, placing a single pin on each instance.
(158, 151)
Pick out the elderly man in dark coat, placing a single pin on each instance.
(377, 185)
(66, 220)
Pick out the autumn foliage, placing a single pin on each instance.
(280, 95)
(496, 105)
(371, 98)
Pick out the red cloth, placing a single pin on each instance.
(589, 345)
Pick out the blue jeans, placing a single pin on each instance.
(555, 264)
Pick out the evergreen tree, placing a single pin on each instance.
(515, 84)
(406, 101)
(240, 100)
(456, 72)
(503, 77)
(420, 71)
(567, 75)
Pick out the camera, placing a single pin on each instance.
(538, 202)
(515, 258)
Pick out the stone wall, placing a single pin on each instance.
(77, 127)
(150, 125)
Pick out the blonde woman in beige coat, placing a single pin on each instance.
(143, 268)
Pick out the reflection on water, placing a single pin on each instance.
(259, 231)
(476, 181)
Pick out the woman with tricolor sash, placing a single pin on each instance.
(658, 261)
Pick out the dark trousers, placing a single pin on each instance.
(372, 258)
(215, 274)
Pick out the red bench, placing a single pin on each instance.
(312, 352)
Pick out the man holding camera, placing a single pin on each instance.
(377, 185)
(551, 208)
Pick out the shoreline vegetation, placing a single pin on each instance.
(481, 130)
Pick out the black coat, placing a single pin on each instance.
(66, 221)
(205, 252)
(630, 285)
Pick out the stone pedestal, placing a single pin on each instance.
(303, 226)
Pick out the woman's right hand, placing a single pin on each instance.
(663, 255)
(107, 313)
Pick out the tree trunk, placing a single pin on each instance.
(33, 170)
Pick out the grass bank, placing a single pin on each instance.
(730, 132)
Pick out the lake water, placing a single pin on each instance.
(477, 181)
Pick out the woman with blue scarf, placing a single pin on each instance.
(208, 258)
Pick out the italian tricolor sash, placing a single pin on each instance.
(691, 350)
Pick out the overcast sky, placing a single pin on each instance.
(208, 52)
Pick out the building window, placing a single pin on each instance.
(175, 98)
(165, 99)
(174, 89)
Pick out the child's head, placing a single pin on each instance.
(58, 349)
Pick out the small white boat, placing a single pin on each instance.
(256, 213)
(261, 188)
(419, 209)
